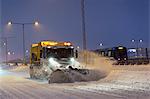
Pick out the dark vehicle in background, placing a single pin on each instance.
(126, 56)
(120, 54)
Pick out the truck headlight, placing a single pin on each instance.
(53, 62)
(72, 59)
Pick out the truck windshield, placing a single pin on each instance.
(60, 52)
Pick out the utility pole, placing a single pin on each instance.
(84, 31)
(83, 24)
(24, 58)
(6, 46)
(6, 51)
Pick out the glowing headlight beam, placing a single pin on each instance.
(72, 59)
(53, 62)
(51, 59)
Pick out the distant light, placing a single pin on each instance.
(13, 53)
(36, 23)
(132, 40)
(101, 44)
(27, 51)
(78, 47)
(141, 41)
(10, 23)
(4, 44)
(9, 53)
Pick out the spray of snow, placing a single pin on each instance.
(91, 60)
(95, 66)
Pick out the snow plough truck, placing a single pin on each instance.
(56, 62)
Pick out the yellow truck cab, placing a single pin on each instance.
(43, 48)
(48, 56)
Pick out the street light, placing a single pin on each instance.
(13, 53)
(8, 53)
(10, 23)
(140, 41)
(4, 44)
(101, 44)
(27, 51)
(78, 47)
(132, 40)
(137, 44)
(36, 23)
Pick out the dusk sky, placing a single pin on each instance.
(111, 22)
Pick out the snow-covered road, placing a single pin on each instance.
(121, 83)
(16, 87)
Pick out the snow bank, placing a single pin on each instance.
(70, 76)
(19, 69)
(125, 81)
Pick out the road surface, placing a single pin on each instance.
(17, 85)
(13, 86)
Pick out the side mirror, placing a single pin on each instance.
(76, 53)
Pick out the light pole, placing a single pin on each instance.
(6, 47)
(101, 45)
(10, 53)
(84, 29)
(83, 24)
(36, 23)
